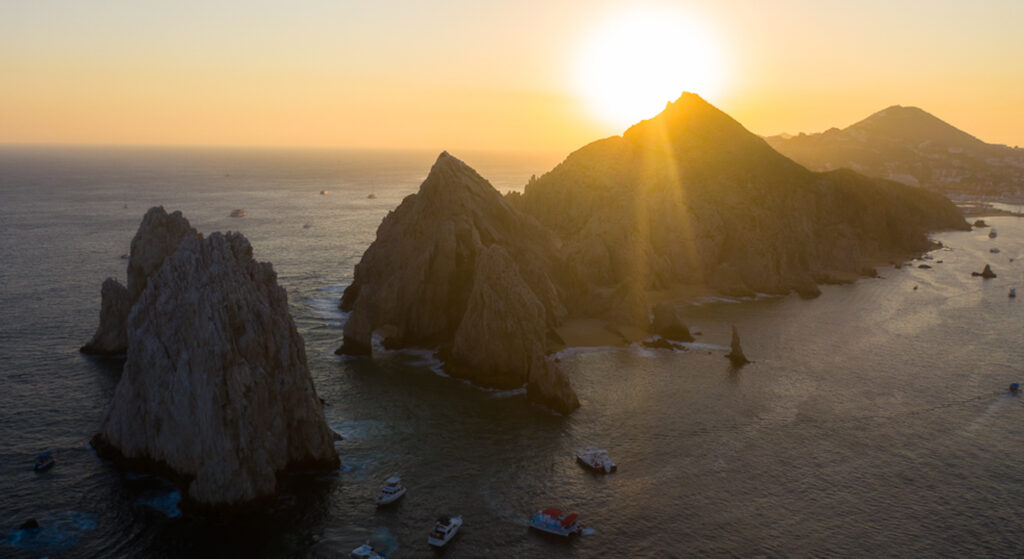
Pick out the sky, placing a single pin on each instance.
(498, 75)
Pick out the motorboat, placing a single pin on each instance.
(44, 462)
(554, 521)
(393, 490)
(1014, 388)
(365, 551)
(596, 459)
(994, 250)
(992, 234)
(371, 196)
(238, 212)
(444, 530)
(323, 193)
(1013, 292)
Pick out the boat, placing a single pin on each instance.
(323, 193)
(1014, 388)
(238, 213)
(596, 459)
(444, 530)
(371, 196)
(554, 521)
(366, 551)
(1013, 292)
(992, 234)
(994, 250)
(44, 462)
(393, 490)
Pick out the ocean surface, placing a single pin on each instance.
(874, 421)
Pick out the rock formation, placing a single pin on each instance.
(216, 388)
(987, 273)
(667, 324)
(688, 198)
(158, 236)
(735, 355)
(456, 267)
(110, 337)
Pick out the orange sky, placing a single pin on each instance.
(488, 75)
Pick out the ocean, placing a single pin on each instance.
(873, 421)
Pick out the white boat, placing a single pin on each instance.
(554, 521)
(365, 551)
(444, 530)
(393, 490)
(596, 459)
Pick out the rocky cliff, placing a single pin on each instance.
(691, 197)
(456, 267)
(216, 387)
(158, 237)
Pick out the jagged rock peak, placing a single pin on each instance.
(158, 237)
(420, 280)
(216, 389)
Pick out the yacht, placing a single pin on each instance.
(596, 459)
(444, 530)
(365, 551)
(393, 490)
(554, 521)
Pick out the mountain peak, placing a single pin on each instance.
(915, 125)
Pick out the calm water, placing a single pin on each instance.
(873, 422)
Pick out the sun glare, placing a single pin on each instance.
(632, 64)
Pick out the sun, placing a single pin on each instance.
(632, 64)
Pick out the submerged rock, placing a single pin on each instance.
(735, 354)
(216, 386)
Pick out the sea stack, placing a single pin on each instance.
(735, 355)
(456, 267)
(216, 387)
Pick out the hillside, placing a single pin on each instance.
(912, 146)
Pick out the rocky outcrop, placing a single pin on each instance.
(501, 340)
(216, 388)
(457, 267)
(110, 338)
(158, 237)
(735, 355)
(987, 273)
(668, 324)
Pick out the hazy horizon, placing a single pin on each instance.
(459, 76)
